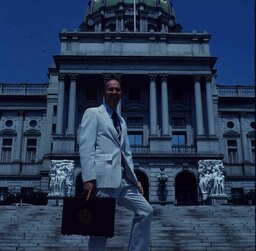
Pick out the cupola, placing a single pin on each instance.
(118, 16)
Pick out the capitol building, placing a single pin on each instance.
(176, 112)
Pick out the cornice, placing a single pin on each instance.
(133, 58)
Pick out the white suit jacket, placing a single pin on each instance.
(100, 149)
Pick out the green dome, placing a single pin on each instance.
(96, 4)
(118, 15)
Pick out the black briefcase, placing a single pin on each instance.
(94, 217)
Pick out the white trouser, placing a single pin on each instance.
(127, 195)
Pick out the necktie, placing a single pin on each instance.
(116, 124)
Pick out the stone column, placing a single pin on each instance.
(60, 107)
(243, 137)
(210, 114)
(141, 24)
(198, 107)
(41, 149)
(117, 24)
(165, 106)
(153, 106)
(72, 106)
(122, 24)
(18, 150)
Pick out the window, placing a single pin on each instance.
(230, 124)
(33, 123)
(53, 128)
(31, 150)
(253, 150)
(9, 123)
(135, 138)
(54, 110)
(179, 138)
(232, 151)
(6, 155)
(253, 125)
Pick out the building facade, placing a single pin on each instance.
(175, 111)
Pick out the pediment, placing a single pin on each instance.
(8, 132)
(180, 108)
(251, 134)
(231, 134)
(32, 132)
(134, 107)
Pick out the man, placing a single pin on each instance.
(107, 167)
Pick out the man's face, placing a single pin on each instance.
(112, 93)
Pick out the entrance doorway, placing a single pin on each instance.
(143, 178)
(186, 189)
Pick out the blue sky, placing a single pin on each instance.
(29, 35)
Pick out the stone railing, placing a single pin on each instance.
(23, 89)
(174, 149)
(139, 149)
(236, 91)
(177, 149)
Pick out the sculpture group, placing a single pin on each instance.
(61, 177)
(211, 178)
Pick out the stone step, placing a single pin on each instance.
(173, 228)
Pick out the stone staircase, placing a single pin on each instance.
(174, 228)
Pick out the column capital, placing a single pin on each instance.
(21, 112)
(73, 76)
(164, 76)
(62, 77)
(197, 78)
(242, 114)
(209, 78)
(152, 76)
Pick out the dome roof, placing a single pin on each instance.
(118, 15)
(96, 4)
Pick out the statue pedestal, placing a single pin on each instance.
(218, 200)
(55, 200)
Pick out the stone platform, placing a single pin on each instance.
(174, 228)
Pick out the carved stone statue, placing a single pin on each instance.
(211, 178)
(61, 177)
(162, 191)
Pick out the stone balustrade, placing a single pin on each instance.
(23, 89)
(236, 91)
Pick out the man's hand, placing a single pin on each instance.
(88, 189)
(140, 188)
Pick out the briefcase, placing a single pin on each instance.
(94, 217)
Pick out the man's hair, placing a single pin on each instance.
(108, 77)
(106, 82)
